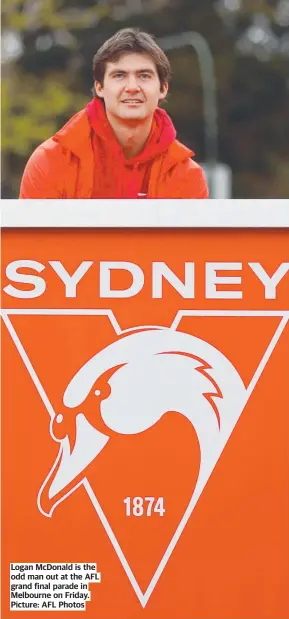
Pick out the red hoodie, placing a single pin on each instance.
(120, 177)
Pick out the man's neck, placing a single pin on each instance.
(132, 135)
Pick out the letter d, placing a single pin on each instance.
(105, 290)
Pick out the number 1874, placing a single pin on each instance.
(147, 506)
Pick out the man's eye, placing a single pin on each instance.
(145, 76)
(118, 75)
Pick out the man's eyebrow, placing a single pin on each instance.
(151, 71)
(145, 71)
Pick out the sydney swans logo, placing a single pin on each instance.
(110, 391)
(184, 373)
(126, 388)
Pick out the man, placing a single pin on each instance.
(122, 145)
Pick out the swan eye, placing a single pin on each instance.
(97, 392)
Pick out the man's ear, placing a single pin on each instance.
(98, 89)
(164, 90)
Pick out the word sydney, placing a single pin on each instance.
(219, 280)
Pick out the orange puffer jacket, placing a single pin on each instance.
(66, 165)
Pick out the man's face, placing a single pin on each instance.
(131, 87)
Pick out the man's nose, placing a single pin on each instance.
(132, 83)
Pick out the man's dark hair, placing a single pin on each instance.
(130, 40)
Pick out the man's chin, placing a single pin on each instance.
(133, 114)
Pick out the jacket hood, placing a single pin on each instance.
(162, 133)
(75, 136)
(77, 131)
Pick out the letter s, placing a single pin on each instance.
(25, 278)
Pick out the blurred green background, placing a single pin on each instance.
(47, 50)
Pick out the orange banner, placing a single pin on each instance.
(145, 428)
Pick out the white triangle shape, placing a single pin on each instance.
(144, 596)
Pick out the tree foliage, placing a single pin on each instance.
(47, 77)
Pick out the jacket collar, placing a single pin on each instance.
(75, 136)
